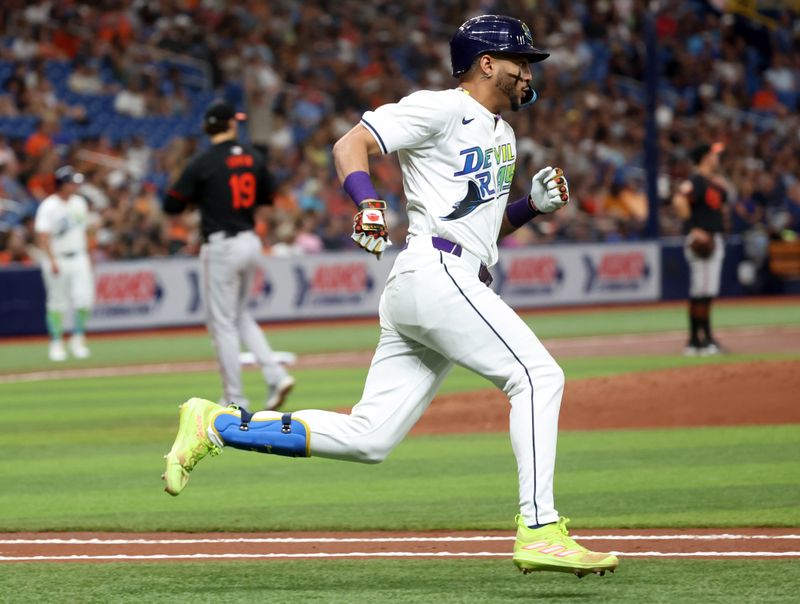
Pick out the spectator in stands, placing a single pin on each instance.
(41, 182)
(85, 79)
(766, 99)
(131, 100)
(14, 248)
(261, 86)
(590, 109)
(137, 158)
(42, 138)
(285, 245)
(94, 191)
(792, 231)
(24, 47)
(307, 238)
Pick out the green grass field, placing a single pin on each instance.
(85, 454)
(347, 582)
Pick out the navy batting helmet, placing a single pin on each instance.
(67, 174)
(488, 34)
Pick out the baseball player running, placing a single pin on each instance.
(700, 201)
(457, 157)
(61, 224)
(227, 182)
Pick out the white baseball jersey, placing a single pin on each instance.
(66, 222)
(457, 160)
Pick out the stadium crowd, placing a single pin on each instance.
(117, 89)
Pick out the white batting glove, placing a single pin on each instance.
(549, 190)
(369, 227)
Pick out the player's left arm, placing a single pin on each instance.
(549, 192)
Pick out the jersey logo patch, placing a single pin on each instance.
(466, 121)
(467, 205)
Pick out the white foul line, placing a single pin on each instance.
(367, 555)
(443, 539)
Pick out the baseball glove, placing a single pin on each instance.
(701, 242)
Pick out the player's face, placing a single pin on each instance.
(69, 188)
(710, 163)
(513, 79)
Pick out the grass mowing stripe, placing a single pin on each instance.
(311, 338)
(626, 320)
(407, 581)
(317, 388)
(747, 476)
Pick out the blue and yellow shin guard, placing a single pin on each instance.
(265, 432)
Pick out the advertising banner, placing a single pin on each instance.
(162, 292)
(578, 274)
(169, 291)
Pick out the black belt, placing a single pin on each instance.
(67, 254)
(445, 245)
(226, 234)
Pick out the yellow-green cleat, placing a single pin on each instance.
(551, 548)
(192, 443)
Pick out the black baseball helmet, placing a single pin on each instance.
(220, 112)
(491, 34)
(66, 174)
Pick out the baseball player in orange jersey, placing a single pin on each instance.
(227, 182)
(457, 157)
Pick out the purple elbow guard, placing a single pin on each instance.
(521, 211)
(359, 187)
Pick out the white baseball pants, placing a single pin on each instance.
(229, 266)
(72, 286)
(705, 273)
(435, 312)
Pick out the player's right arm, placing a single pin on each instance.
(181, 194)
(351, 158)
(680, 200)
(42, 228)
(351, 152)
(389, 128)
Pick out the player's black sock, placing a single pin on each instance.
(705, 323)
(694, 322)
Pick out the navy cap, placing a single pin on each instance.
(67, 174)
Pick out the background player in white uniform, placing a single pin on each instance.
(61, 224)
(457, 157)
